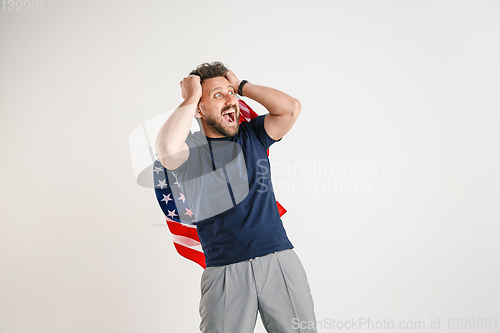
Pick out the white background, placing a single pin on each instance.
(408, 86)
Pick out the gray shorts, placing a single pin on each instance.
(274, 285)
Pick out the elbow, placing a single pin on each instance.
(165, 145)
(163, 150)
(160, 151)
(160, 147)
(296, 107)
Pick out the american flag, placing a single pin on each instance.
(180, 219)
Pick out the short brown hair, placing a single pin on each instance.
(208, 71)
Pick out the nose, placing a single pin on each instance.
(231, 99)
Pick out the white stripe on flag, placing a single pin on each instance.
(187, 242)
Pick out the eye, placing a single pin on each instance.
(218, 95)
(231, 92)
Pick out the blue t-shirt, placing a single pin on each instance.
(227, 183)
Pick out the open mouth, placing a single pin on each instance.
(229, 116)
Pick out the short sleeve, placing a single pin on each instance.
(257, 125)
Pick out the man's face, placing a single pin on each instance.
(219, 107)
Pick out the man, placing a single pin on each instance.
(224, 172)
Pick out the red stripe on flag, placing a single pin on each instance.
(281, 209)
(186, 252)
(178, 229)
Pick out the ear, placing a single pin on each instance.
(198, 112)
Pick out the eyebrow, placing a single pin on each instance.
(217, 88)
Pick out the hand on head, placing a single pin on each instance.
(191, 88)
(233, 80)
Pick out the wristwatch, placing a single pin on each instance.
(240, 88)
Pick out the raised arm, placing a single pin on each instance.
(283, 109)
(171, 147)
